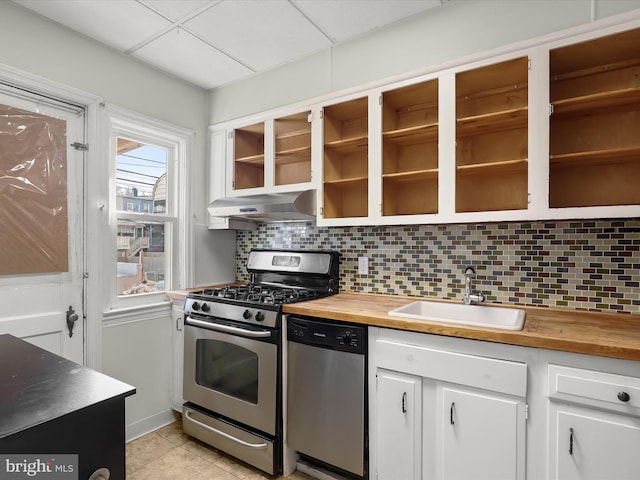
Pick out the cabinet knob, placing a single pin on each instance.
(624, 396)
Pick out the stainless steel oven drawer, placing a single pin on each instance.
(246, 446)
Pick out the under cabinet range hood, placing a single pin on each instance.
(268, 207)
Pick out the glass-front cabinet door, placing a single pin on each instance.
(248, 157)
(292, 157)
(346, 160)
(271, 155)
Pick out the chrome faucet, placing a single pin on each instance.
(469, 298)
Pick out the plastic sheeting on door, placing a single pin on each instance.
(33, 193)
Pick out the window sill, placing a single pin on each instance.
(137, 313)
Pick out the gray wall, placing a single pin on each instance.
(36, 45)
(137, 351)
(458, 29)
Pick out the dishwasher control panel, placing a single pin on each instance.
(327, 334)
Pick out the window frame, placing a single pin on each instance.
(178, 250)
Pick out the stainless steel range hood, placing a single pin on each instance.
(268, 207)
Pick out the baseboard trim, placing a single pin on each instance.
(149, 424)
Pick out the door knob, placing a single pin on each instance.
(72, 318)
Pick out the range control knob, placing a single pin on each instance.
(195, 306)
(246, 315)
(259, 316)
(205, 307)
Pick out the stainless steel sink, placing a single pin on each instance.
(476, 315)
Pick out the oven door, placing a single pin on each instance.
(232, 374)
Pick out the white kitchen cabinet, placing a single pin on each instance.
(473, 419)
(399, 414)
(480, 434)
(274, 154)
(345, 195)
(525, 135)
(594, 425)
(177, 353)
(218, 140)
(593, 445)
(594, 145)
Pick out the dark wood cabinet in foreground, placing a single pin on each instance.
(51, 405)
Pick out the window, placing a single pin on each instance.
(141, 177)
(148, 218)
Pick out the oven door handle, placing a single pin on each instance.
(257, 446)
(218, 327)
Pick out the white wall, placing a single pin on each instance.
(455, 30)
(36, 45)
(137, 351)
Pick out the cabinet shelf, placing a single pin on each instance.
(412, 135)
(297, 133)
(293, 155)
(348, 144)
(598, 157)
(493, 121)
(415, 176)
(504, 166)
(597, 101)
(256, 160)
(348, 182)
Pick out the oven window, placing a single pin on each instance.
(228, 369)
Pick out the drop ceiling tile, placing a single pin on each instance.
(342, 19)
(189, 58)
(261, 34)
(120, 24)
(177, 9)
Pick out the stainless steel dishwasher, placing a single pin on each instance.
(326, 394)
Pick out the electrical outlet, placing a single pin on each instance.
(363, 265)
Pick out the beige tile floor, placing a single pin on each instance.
(169, 454)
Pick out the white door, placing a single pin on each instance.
(399, 425)
(594, 445)
(41, 218)
(482, 435)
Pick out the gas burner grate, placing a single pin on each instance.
(264, 294)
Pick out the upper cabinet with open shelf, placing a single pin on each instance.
(547, 131)
(271, 155)
(492, 111)
(346, 160)
(292, 160)
(410, 150)
(248, 157)
(594, 131)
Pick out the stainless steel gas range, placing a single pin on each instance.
(233, 353)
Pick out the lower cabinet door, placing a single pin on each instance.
(482, 435)
(594, 445)
(399, 425)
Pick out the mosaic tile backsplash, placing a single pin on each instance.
(579, 265)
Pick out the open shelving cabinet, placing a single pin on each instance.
(346, 159)
(292, 160)
(410, 150)
(492, 111)
(248, 157)
(594, 136)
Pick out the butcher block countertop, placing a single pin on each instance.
(593, 333)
